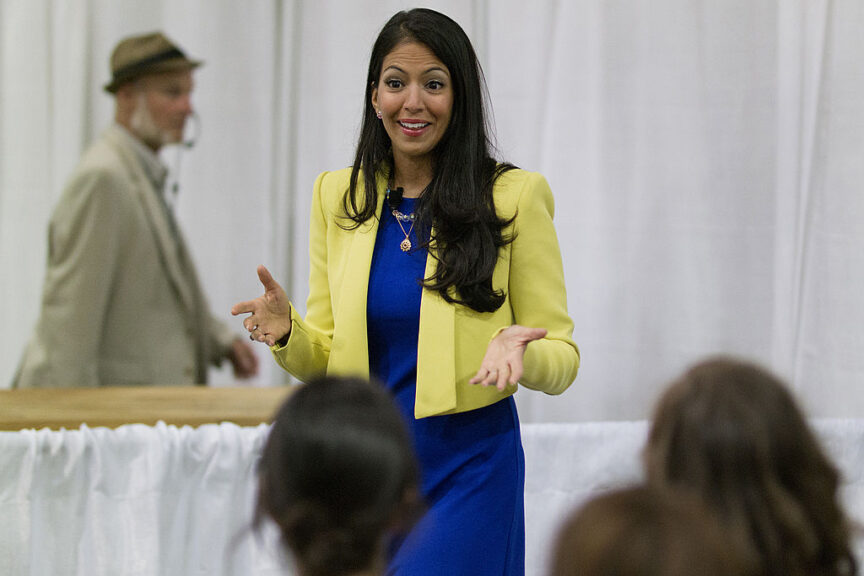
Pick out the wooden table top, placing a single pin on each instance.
(112, 407)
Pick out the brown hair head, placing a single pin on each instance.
(730, 432)
(644, 532)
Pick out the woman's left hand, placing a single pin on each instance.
(502, 364)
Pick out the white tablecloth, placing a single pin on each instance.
(169, 501)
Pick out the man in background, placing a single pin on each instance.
(122, 303)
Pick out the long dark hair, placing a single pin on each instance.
(337, 473)
(732, 433)
(458, 202)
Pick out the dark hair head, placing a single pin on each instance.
(643, 532)
(446, 39)
(336, 474)
(458, 200)
(732, 433)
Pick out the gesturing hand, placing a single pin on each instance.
(502, 364)
(270, 318)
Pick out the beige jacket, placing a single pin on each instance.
(121, 304)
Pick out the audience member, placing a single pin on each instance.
(644, 532)
(732, 434)
(338, 476)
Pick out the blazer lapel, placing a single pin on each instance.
(349, 352)
(168, 241)
(436, 353)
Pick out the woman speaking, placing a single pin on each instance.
(435, 269)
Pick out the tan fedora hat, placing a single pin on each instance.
(138, 56)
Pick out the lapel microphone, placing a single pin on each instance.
(394, 197)
(191, 139)
(193, 128)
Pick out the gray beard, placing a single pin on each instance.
(145, 128)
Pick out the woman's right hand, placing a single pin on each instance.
(270, 318)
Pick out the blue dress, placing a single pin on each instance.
(472, 465)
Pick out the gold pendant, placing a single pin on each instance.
(405, 245)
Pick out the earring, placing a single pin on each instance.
(378, 114)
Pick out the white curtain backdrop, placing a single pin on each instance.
(139, 500)
(706, 161)
(168, 501)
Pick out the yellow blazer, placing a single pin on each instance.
(453, 338)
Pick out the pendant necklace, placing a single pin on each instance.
(405, 245)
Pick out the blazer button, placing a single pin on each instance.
(189, 371)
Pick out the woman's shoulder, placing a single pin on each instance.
(334, 179)
(517, 186)
(515, 177)
(331, 185)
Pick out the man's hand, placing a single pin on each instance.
(243, 359)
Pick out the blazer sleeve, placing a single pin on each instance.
(307, 352)
(538, 295)
(86, 243)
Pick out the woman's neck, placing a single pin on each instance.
(413, 176)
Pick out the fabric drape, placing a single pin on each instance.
(166, 501)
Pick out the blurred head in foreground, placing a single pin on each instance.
(338, 476)
(731, 433)
(644, 532)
